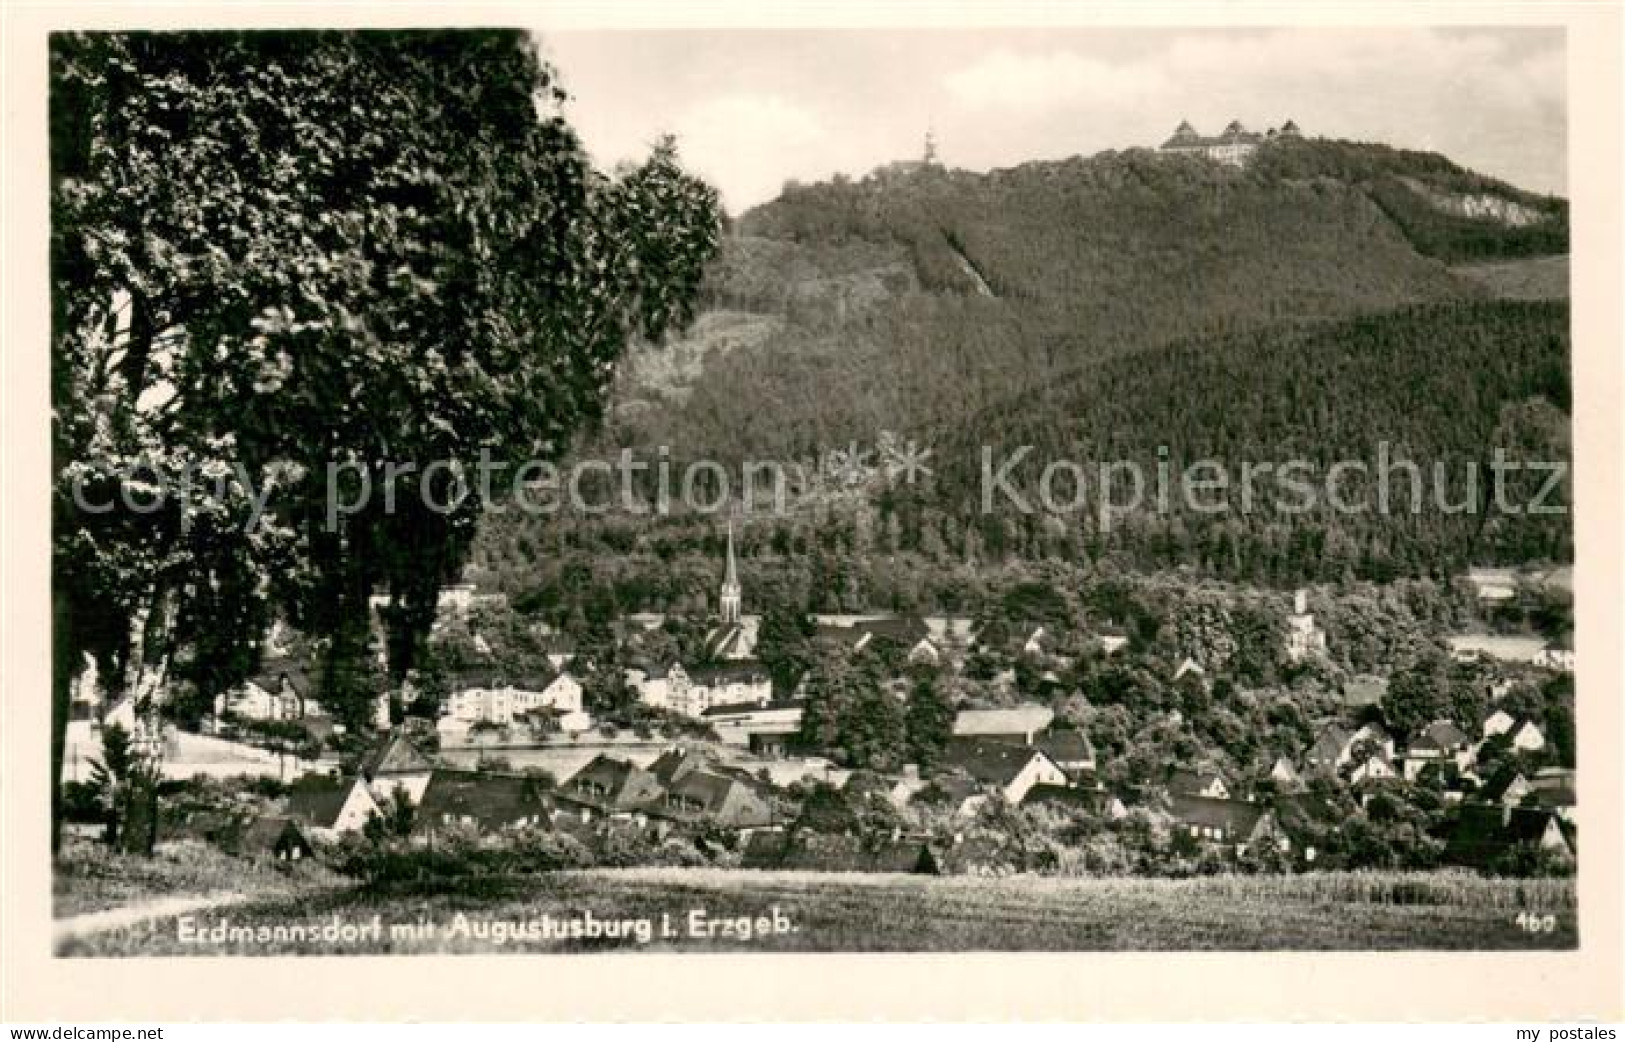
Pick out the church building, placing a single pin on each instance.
(733, 639)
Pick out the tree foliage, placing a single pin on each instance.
(332, 269)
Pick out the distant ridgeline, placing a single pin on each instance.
(1246, 297)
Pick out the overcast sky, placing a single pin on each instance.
(752, 108)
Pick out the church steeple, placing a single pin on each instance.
(730, 585)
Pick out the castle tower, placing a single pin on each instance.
(730, 585)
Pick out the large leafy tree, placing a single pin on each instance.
(341, 271)
(786, 645)
(928, 720)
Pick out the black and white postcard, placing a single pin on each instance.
(515, 486)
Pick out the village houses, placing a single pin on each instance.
(479, 699)
(396, 765)
(329, 809)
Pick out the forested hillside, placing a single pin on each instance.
(1300, 307)
(908, 299)
(1440, 385)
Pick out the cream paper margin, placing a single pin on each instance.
(1385, 986)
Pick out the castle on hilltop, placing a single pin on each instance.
(1233, 146)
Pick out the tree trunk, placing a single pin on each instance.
(64, 653)
(153, 669)
(152, 814)
(136, 662)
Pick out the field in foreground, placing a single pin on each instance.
(88, 878)
(817, 912)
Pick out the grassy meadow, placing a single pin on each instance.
(88, 878)
(823, 912)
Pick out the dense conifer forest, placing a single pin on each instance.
(1126, 307)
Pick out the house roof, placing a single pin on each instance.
(742, 708)
(1523, 723)
(1552, 798)
(493, 801)
(904, 630)
(319, 804)
(272, 671)
(1374, 731)
(1442, 735)
(677, 762)
(711, 791)
(625, 785)
(1377, 765)
(729, 673)
(730, 640)
(1181, 780)
(270, 831)
(1331, 743)
(1484, 832)
(1066, 745)
(989, 762)
(396, 755)
(744, 777)
(1235, 816)
(727, 800)
(1496, 787)
(1020, 720)
(1301, 814)
(1189, 667)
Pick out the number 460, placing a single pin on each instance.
(1530, 923)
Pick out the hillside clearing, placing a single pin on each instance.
(1526, 278)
